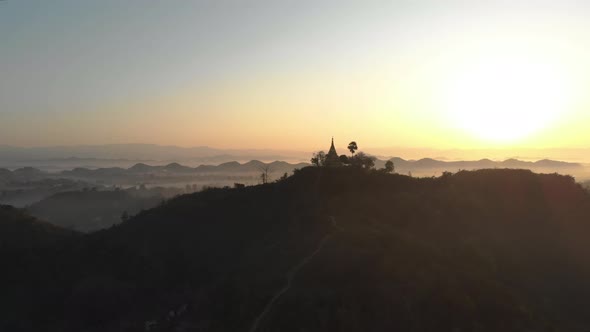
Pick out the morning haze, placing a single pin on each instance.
(273, 165)
(284, 75)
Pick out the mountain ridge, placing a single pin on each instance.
(484, 250)
(253, 165)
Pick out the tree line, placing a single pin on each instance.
(360, 159)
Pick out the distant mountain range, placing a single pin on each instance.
(282, 166)
(59, 158)
(142, 152)
(429, 163)
(176, 168)
(422, 167)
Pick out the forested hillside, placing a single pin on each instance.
(21, 231)
(91, 210)
(329, 250)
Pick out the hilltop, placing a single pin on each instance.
(334, 249)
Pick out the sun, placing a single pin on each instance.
(505, 101)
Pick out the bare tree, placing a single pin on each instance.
(265, 173)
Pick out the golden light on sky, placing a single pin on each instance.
(288, 75)
(506, 100)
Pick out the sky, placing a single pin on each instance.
(291, 74)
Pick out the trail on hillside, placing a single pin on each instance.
(291, 275)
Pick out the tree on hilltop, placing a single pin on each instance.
(352, 147)
(265, 173)
(363, 160)
(318, 159)
(344, 159)
(389, 167)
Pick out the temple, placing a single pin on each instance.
(332, 159)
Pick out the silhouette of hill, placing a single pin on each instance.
(97, 154)
(5, 173)
(280, 167)
(248, 172)
(176, 167)
(23, 174)
(91, 210)
(429, 163)
(21, 231)
(140, 168)
(329, 249)
(252, 167)
(23, 191)
(25, 245)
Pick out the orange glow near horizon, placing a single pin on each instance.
(439, 77)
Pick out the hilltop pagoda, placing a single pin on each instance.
(332, 159)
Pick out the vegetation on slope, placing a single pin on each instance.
(485, 250)
(21, 231)
(91, 210)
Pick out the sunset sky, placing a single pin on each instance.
(291, 74)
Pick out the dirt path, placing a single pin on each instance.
(290, 276)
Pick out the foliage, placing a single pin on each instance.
(389, 167)
(352, 147)
(19, 230)
(318, 159)
(344, 159)
(489, 250)
(91, 210)
(363, 160)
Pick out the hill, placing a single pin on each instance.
(20, 193)
(91, 210)
(115, 154)
(234, 167)
(333, 249)
(429, 166)
(19, 230)
(27, 275)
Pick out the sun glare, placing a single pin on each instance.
(506, 101)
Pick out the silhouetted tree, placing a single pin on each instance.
(352, 147)
(446, 174)
(284, 177)
(363, 160)
(318, 158)
(265, 173)
(344, 159)
(389, 167)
